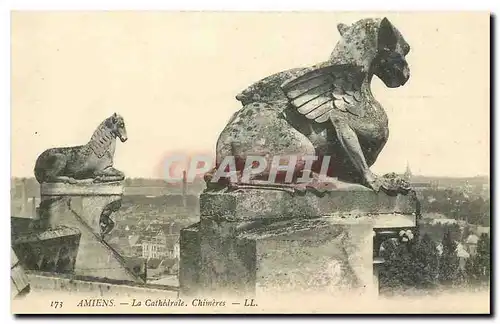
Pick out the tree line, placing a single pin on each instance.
(458, 205)
(418, 264)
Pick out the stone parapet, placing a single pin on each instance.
(261, 204)
(82, 188)
(50, 250)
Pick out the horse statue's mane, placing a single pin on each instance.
(102, 138)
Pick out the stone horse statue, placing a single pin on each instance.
(93, 160)
(324, 110)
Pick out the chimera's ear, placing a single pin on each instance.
(387, 37)
(342, 28)
(114, 115)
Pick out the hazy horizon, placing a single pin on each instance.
(414, 175)
(174, 78)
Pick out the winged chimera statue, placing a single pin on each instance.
(324, 110)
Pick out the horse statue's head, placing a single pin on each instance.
(117, 126)
(377, 47)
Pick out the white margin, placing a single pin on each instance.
(184, 5)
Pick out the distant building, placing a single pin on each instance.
(155, 246)
(126, 245)
(471, 244)
(433, 215)
(463, 255)
(172, 266)
(133, 239)
(419, 186)
(122, 246)
(444, 221)
(482, 230)
(173, 246)
(416, 185)
(137, 248)
(136, 265)
(159, 242)
(439, 248)
(156, 267)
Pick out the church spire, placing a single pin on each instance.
(407, 173)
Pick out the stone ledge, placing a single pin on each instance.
(296, 226)
(72, 282)
(82, 189)
(47, 235)
(253, 204)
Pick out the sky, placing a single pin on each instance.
(174, 76)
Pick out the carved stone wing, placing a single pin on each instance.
(316, 93)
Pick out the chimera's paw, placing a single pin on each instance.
(373, 182)
(393, 184)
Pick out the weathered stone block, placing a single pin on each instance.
(316, 256)
(190, 259)
(291, 255)
(227, 262)
(88, 200)
(262, 241)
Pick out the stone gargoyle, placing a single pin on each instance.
(327, 110)
(92, 161)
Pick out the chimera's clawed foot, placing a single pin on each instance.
(394, 184)
(373, 181)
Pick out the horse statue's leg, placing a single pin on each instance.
(64, 179)
(51, 167)
(109, 174)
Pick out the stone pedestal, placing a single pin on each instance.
(86, 207)
(254, 242)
